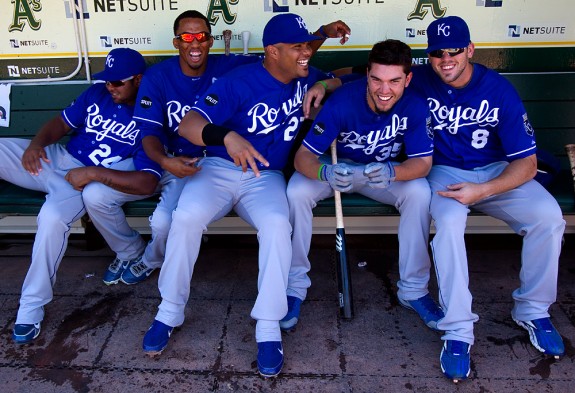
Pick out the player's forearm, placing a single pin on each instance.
(51, 132)
(413, 168)
(515, 174)
(130, 182)
(307, 163)
(155, 149)
(191, 128)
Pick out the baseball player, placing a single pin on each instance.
(167, 92)
(371, 129)
(104, 147)
(248, 121)
(484, 157)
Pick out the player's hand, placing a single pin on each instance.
(243, 153)
(340, 177)
(465, 193)
(338, 29)
(380, 174)
(181, 166)
(78, 178)
(314, 95)
(32, 159)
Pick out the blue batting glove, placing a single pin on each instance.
(380, 175)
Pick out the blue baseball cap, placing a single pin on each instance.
(122, 63)
(448, 32)
(287, 29)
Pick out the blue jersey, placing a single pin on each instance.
(166, 95)
(265, 111)
(365, 136)
(481, 123)
(104, 132)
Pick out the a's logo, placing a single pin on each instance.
(211, 99)
(14, 71)
(319, 128)
(514, 31)
(489, 3)
(24, 13)
(14, 44)
(275, 6)
(146, 102)
(106, 41)
(424, 6)
(76, 7)
(2, 113)
(218, 8)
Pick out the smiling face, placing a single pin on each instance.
(456, 71)
(193, 55)
(385, 86)
(126, 92)
(290, 61)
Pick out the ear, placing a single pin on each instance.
(176, 43)
(211, 42)
(271, 51)
(138, 80)
(408, 78)
(470, 50)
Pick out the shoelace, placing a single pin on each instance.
(139, 268)
(115, 265)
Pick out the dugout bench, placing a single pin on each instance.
(549, 100)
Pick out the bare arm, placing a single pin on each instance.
(307, 162)
(337, 29)
(178, 166)
(130, 182)
(515, 174)
(50, 133)
(239, 149)
(413, 168)
(314, 96)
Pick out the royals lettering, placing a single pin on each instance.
(111, 129)
(176, 112)
(266, 119)
(380, 142)
(452, 118)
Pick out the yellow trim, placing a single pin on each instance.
(260, 50)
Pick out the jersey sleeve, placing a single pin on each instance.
(75, 114)
(418, 138)
(221, 100)
(148, 112)
(325, 127)
(515, 131)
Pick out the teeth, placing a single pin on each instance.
(303, 62)
(384, 98)
(447, 67)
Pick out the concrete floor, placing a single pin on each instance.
(92, 334)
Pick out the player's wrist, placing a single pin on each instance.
(322, 172)
(321, 32)
(213, 135)
(322, 83)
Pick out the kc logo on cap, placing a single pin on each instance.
(446, 33)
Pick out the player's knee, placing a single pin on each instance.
(95, 195)
(416, 192)
(275, 223)
(160, 222)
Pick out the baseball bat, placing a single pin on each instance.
(227, 41)
(342, 265)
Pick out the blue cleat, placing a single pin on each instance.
(292, 317)
(136, 271)
(156, 338)
(544, 336)
(25, 333)
(455, 360)
(427, 309)
(114, 271)
(270, 358)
